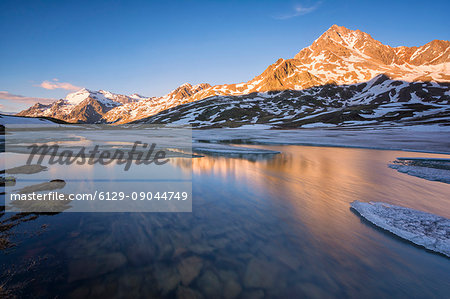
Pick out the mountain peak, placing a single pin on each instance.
(83, 90)
(343, 36)
(186, 86)
(78, 96)
(186, 90)
(137, 96)
(337, 28)
(351, 56)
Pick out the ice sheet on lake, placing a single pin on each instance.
(229, 150)
(375, 138)
(425, 168)
(421, 228)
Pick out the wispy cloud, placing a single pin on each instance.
(298, 10)
(54, 84)
(4, 95)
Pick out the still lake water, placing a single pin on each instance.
(278, 228)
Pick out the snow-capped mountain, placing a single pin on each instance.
(344, 56)
(83, 106)
(151, 106)
(339, 69)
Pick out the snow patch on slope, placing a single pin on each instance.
(104, 97)
(77, 97)
(10, 121)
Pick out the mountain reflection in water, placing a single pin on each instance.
(276, 227)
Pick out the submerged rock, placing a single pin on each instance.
(255, 294)
(167, 278)
(94, 266)
(210, 284)
(189, 269)
(47, 186)
(187, 293)
(260, 274)
(310, 290)
(231, 289)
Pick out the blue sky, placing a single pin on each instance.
(152, 47)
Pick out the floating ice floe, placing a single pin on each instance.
(432, 169)
(229, 150)
(421, 228)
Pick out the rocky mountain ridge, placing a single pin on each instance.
(380, 101)
(83, 106)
